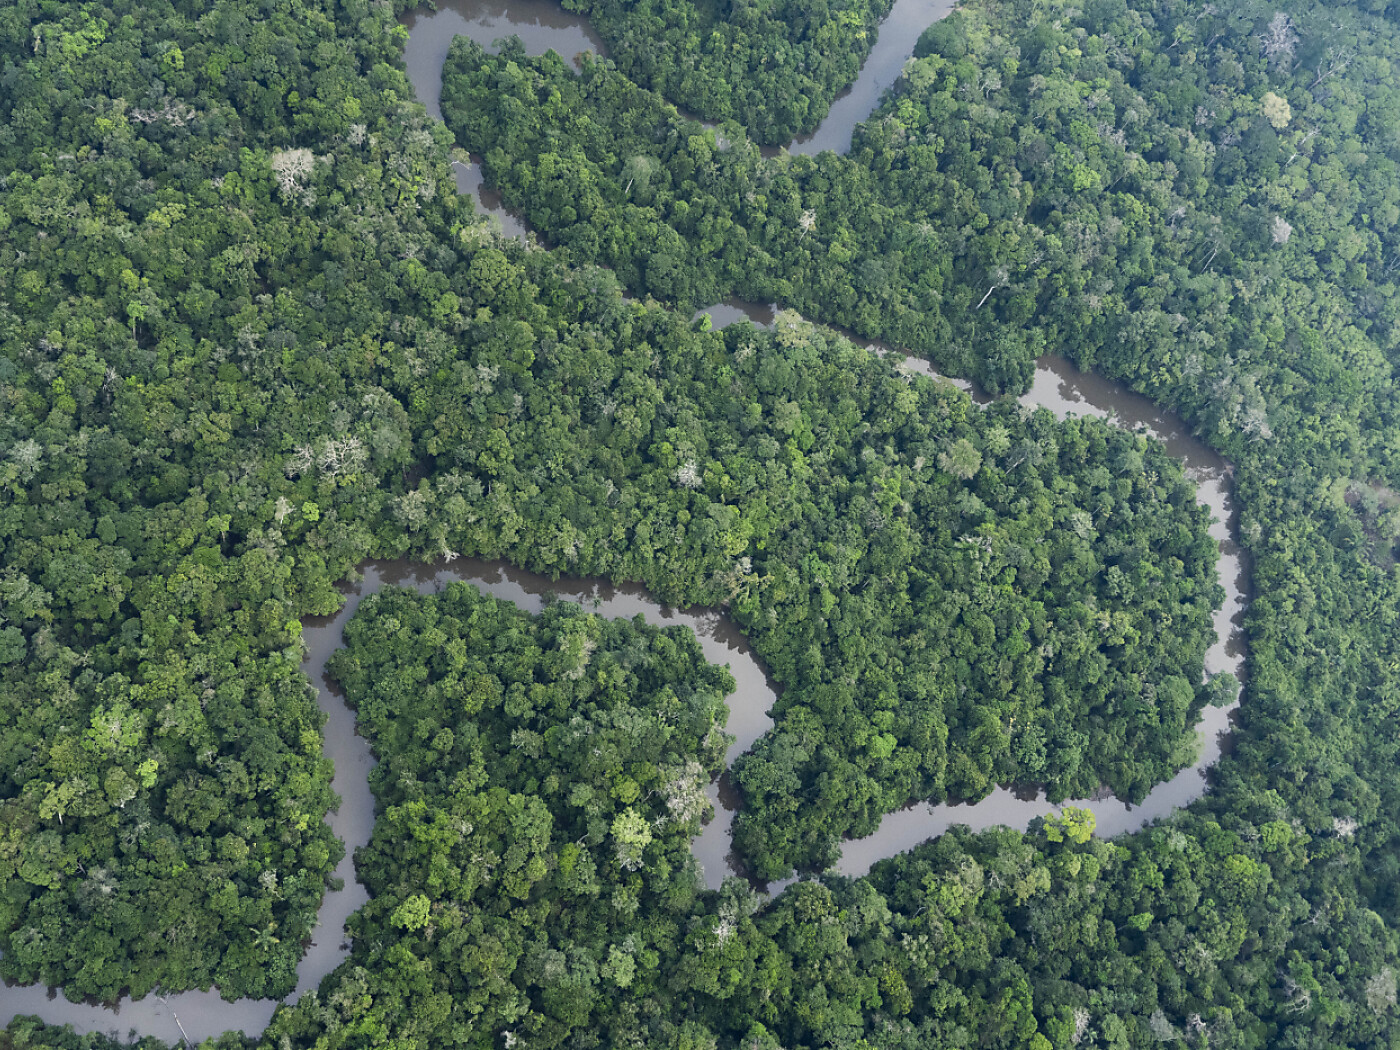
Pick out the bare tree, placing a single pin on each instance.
(1000, 278)
(1081, 1025)
(1299, 998)
(1279, 39)
(1162, 1029)
(292, 167)
(170, 112)
(1333, 64)
(1380, 991)
(688, 475)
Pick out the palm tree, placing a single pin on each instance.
(263, 940)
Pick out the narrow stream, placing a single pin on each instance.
(1064, 390)
(1058, 386)
(541, 25)
(204, 1014)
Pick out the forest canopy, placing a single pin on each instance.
(344, 364)
(773, 67)
(250, 336)
(1098, 184)
(540, 779)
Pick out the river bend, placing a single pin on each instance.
(1058, 386)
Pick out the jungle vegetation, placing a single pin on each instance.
(774, 67)
(1032, 183)
(252, 336)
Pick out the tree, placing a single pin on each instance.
(1279, 39)
(412, 914)
(631, 836)
(1276, 110)
(962, 459)
(639, 168)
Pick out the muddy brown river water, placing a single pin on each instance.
(1058, 386)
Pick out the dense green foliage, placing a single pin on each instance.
(772, 66)
(232, 368)
(1123, 183)
(1031, 184)
(31, 1034)
(1039, 622)
(161, 778)
(540, 779)
(530, 874)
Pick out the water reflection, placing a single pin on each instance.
(724, 314)
(720, 641)
(201, 1015)
(488, 201)
(1063, 389)
(542, 25)
(1058, 386)
(899, 32)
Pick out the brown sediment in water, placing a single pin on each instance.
(541, 25)
(1058, 386)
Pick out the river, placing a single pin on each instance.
(1058, 386)
(543, 25)
(1064, 390)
